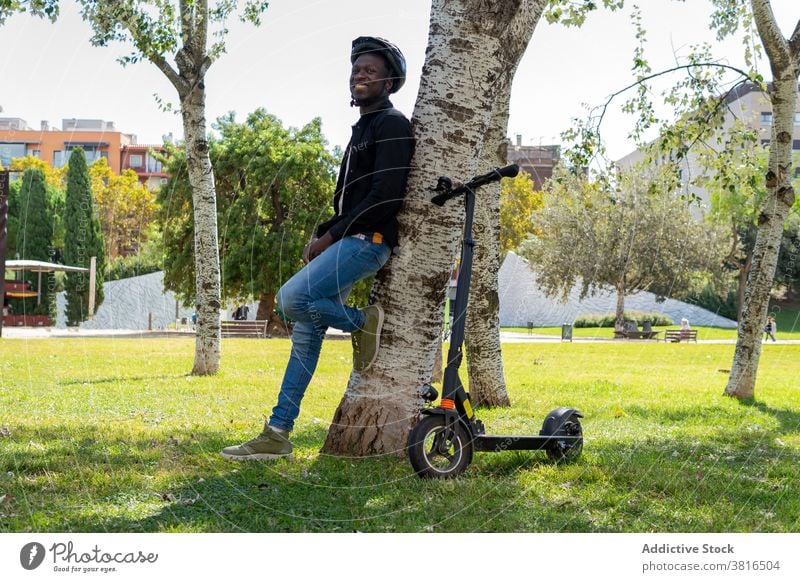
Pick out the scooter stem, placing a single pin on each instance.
(452, 383)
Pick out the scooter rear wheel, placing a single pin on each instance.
(567, 451)
(433, 456)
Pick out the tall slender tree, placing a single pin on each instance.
(784, 59)
(634, 235)
(174, 37)
(34, 237)
(83, 240)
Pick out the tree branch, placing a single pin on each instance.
(204, 66)
(666, 72)
(772, 38)
(186, 22)
(200, 32)
(794, 44)
(731, 257)
(177, 81)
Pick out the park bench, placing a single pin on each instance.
(637, 334)
(244, 328)
(679, 335)
(631, 331)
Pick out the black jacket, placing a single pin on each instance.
(372, 178)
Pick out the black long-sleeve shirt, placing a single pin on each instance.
(373, 175)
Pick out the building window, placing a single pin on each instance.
(9, 151)
(765, 142)
(58, 159)
(135, 161)
(153, 165)
(766, 117)
(797, 118)
(36, 153)
(796, 144)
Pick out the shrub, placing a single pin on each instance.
(149, 260)
(707, 298)
(608, 319)
(133, 266)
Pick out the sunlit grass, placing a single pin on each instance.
(113, 435)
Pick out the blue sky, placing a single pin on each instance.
(296, 66)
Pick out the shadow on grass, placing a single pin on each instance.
(175, 480)
(117, 379)
(789, 420)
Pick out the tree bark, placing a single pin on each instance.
(619, 321)
(487, 383)
(206, 247)
(784, 59)
(266, 311)
(471, 45)
(744, 269)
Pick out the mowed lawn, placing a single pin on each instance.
(113, 435)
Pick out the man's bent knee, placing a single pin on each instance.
(296, 306)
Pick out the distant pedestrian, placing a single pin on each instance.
(685, 329)
(770, 328)
(240, 313)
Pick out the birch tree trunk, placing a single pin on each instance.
(186, 27)
(206, 247)
(487, 382)
(471, 46)
(619, 321)
(784, 59)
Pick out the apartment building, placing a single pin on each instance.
(141, 160)
(97, 137)
(747, 103)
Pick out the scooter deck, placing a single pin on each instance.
(497, 443)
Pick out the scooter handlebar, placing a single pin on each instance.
(495, 175)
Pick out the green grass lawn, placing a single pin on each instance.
(112, 435)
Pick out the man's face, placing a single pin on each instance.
(369, 77)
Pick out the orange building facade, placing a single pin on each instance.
(98, 139)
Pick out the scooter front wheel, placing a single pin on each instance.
(433, 455)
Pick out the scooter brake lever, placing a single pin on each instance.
(444, 185)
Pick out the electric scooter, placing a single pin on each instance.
(442, 442)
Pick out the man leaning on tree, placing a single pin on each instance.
(354, 244)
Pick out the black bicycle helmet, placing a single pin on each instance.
(392, 54)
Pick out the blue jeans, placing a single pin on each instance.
(314, 300)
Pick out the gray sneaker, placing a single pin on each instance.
(268, 445)
(367, 340)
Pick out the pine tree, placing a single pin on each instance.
(34, 238)
(83, 240)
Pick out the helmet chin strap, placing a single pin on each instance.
(366, 103)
